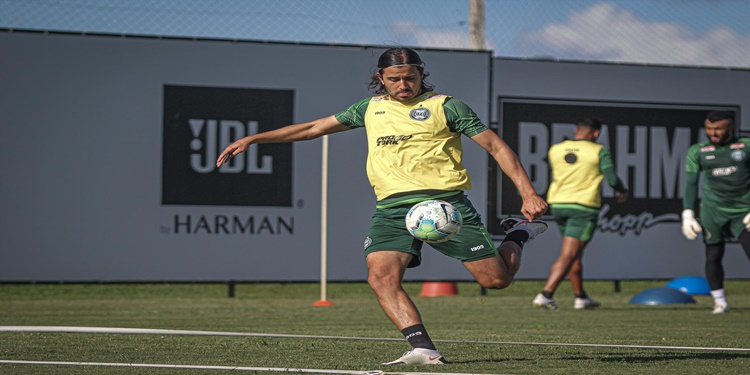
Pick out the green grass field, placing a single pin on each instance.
(500, 316)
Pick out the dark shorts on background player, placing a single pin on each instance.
(721, 225)
(575, 220)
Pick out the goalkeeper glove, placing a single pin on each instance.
(690, 226)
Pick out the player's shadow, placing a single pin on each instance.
(490, 361)
(609, 357)
(605, 357)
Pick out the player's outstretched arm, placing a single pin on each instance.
(533, 206)
(290, 133)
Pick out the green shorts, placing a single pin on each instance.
(575, 220)
(721, 226)
(388, 233)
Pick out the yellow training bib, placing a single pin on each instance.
(411, 147)
(576, 175)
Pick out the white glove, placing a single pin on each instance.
(690, 226)
(746, 221)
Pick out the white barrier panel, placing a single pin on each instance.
(108, 145)
(651, 115)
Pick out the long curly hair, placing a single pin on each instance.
(399, 56)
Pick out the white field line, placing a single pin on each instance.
(227, 368)
(146, 331)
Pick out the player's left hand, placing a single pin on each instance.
(533, 207)
(746, 221)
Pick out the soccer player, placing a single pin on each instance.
(725, 204)
(415, 154)
(578, 167)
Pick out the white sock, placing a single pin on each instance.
(426, 351)
(720, 297)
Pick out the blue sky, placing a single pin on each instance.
(673, 32)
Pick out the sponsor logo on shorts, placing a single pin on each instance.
(477, 248)
(368, 242)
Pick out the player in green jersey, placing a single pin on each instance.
(724, 163)
(578, 167)
(415, 154)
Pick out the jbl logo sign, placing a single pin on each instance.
(217, 132)
(199, 122)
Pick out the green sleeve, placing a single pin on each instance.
(461, 118)
(607, 166)
(692, 173)
(692, 161)
(690, 197)
(354, 116)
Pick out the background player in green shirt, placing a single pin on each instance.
(725, 204)
(415, 154)
(578, 167)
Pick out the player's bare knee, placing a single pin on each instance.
(383, 282)
(500, 282)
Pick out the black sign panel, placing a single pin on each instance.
(199, 122)
(648, 142)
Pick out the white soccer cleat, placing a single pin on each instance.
(720, 309)
(534, 228)
(543, 302)
(585, 303)
(414, 358)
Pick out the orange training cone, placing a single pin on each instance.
(438, 289)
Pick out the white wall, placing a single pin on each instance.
(651, 114)
(96, 150)
(106, 146)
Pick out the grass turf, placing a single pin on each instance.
(498, 316)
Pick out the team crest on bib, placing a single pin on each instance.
(737, 155)
(420, 114)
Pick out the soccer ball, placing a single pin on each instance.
(433, 221)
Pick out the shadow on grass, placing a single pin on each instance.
(635, 358)
(608, 357)
(488, 361)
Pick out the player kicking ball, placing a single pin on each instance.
(415, 154)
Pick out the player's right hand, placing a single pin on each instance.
(690, 226)
(232, 150)
(622, 196)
